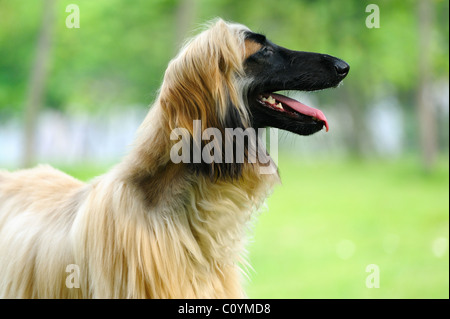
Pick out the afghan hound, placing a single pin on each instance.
(152, 227)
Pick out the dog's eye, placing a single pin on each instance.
(266, 50)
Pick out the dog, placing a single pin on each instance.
(152, 228)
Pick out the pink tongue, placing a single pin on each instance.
(301, 108)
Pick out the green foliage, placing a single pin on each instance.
(119, 53)
(19, 21)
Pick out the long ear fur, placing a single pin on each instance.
(204, 83)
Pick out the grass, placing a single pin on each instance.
(329, 220)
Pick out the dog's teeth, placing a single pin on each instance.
(279, 106)
(271, 100)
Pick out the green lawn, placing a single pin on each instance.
(329, 220)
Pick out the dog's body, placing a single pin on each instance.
(151, 228)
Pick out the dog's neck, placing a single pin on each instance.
(209, 218)
(150, 169)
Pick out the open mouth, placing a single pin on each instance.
(292, 108)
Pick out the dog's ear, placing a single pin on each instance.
(203, 83)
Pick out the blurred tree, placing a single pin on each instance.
(425, 107)
(37, 81)
(118, 55)
(185, 17)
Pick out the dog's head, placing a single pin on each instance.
(273, 68)
(226, 77)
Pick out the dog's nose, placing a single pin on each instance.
(341, 67)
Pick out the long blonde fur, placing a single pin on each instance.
(149, 228)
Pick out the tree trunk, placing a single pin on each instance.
(36, 82)
(358, 142)
(425, 109)
(185, 16)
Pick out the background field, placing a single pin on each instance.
(329, 220)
